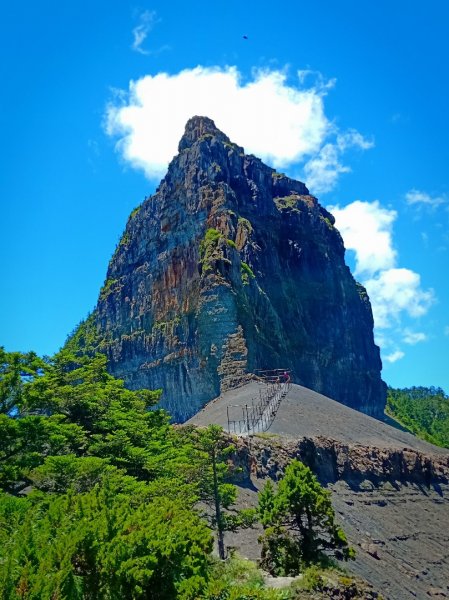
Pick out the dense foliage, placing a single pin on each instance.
(299, 522)
(114, 541)
(98, 491)
(425, 411)
(102, 498)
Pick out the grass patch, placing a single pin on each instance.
(124, 240)
(265, 435)
(209, 242)
(328, 222)
(287, 202)
(208, 247)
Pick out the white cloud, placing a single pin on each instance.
(414, 337)
(353, 139)
(319, 81)
(323, 170)
(417, 197)
(367, 228)
(394, 356)
(147, 20)
(282, 123)
(395, 293)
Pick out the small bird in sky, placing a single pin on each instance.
(245, 37)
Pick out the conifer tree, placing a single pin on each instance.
(216, 472)
(299, 522)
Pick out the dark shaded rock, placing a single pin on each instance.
(228, 268)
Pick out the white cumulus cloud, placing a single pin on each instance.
(395, 292)
(323, 170)
(283, 123)
(367, 229)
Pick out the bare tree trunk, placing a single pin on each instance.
(218, 517)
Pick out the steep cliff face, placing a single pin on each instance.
(231, 267)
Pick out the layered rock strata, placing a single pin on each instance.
(230, 267)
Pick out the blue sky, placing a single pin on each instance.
(351, 97)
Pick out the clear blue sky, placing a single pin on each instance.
(66, 191)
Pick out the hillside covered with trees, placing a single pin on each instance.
(101, 497)
(423, 410)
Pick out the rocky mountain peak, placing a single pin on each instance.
(231, 267)
(200, 128)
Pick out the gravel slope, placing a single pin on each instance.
(306, 413)
(400, 530)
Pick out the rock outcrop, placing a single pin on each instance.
(230, 267)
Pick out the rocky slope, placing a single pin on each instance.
(231, 267)
(393, 506)
(390, 490)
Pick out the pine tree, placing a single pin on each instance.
(299, 522)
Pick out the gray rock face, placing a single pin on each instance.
(231, 267)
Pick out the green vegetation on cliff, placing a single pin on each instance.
(84, 339)
(208, 247)
(247, 272)
(425, 411)
(109, 286)
(287, 202)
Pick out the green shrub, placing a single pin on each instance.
(287, 202)
(312, 580)
(134, 211)
(239, 579)
(247, 273)
(109, 286)
(125, 239)
(246, 224)
(209, 242)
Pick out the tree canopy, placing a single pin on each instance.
(299, 522)
(423, 410)
(102, 498)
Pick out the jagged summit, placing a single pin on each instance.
(197, 128)
(230, 267)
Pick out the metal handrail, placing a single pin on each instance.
(260, 414)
